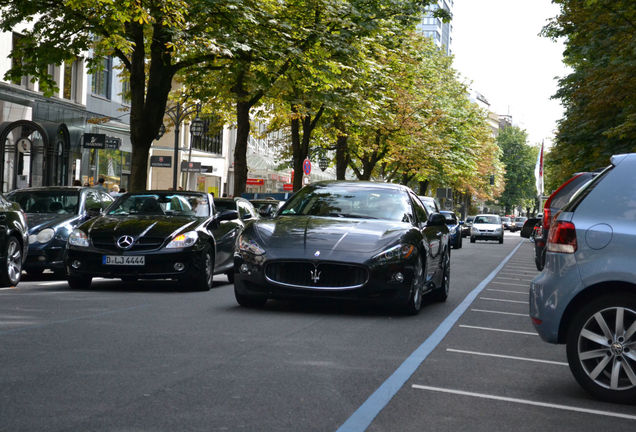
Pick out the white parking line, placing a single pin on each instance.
(526, 402)
(508, 291)
(503, 300)
(53, 283)
(511, 284)
(514, 278)
(499, 330)
(500, 312)
(9, 288)
(477, 353)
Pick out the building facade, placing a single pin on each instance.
(436, 29)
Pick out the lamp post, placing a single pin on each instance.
(177, 114)
(196, 131)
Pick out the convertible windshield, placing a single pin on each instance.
(350, 202)
(487, 220)
(162, 204)
(58, 202)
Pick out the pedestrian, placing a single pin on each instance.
(77, 182)
(100, 185)
(122, 191)
(115, 191)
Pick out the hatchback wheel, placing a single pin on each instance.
(601, 347)
(472, 239)
(12, 266)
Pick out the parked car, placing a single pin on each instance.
(267, 208)
(244, 208)
(585, 297)
(517, 223)
(555, 202)
(454, 228)
(487, 227)
(506, 222)
(430, 204)
(14, 242)
(152, 235)
(468, 223)
(53, 213)
(346, 240)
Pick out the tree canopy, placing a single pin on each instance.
(519, 159)
(600, 110)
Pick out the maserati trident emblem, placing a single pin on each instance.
(314, 275)
(125, 242)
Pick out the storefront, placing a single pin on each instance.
(109, 156)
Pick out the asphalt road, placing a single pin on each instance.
(151, 357)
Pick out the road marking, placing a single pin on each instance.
(516, 278)
(499, 330)
(511, 284)
(500, 312)
(502, 300)
(477, 353)
(508, 291)
(364, 415)
(526, 402)
(9, 288)
(53, 283)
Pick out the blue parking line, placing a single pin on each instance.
(362, 418)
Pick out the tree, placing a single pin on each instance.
(600, 111)
(519, 160)
(154, 40)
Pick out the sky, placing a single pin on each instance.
(497, 48)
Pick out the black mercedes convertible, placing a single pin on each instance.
(152, 235)
(345, 240)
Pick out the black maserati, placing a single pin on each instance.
(151, 235)
(349, 240)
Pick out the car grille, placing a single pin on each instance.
(109, 242)
(320, 275)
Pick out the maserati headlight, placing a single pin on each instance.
(183, 240)
(249, 246)
(396, 253)
(78, 238)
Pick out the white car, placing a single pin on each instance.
(487, 227)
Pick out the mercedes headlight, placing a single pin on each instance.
(183, 240)
(396, 253)
(250, 246)
(78, 238)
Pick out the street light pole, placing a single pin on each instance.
(177, 114)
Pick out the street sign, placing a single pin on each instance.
(307, 166)
(288, 187)
(112, 143)
(94, 141)
(255, 181)
(190, 166)
(161, 161)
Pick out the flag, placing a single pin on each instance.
(538, 171)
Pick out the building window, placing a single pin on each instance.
(102, 78)
(212, 139)
(70, 80)
(125, 89)
(16, 60)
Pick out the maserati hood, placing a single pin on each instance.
(305, 236)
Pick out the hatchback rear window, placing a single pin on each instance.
(580, 194)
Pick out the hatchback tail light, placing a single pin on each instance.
(562, 237)
(547, 214)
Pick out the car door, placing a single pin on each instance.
(432, 237)
(225, 234)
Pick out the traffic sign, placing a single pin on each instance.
(288, 187)
(307, 166)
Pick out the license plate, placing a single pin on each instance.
(136, 260)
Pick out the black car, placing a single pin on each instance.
(267, 208)
(14, 242)
(243, 206)
(53, 213)
(468, 223)
(345, 240)
(152, 235)
(454, 228)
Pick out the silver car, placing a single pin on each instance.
(487, 227)
(586, 295)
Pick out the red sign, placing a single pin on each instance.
(257, 182)
(288, 187)
(307, 166)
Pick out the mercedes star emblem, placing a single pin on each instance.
(125, 242)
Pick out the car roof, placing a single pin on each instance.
(49, 188)
(363, 184)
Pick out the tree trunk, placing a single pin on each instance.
(342, 157)
(297, 161)
(423, 187)
(240, 149)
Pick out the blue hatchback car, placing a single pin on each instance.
(586, 295)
